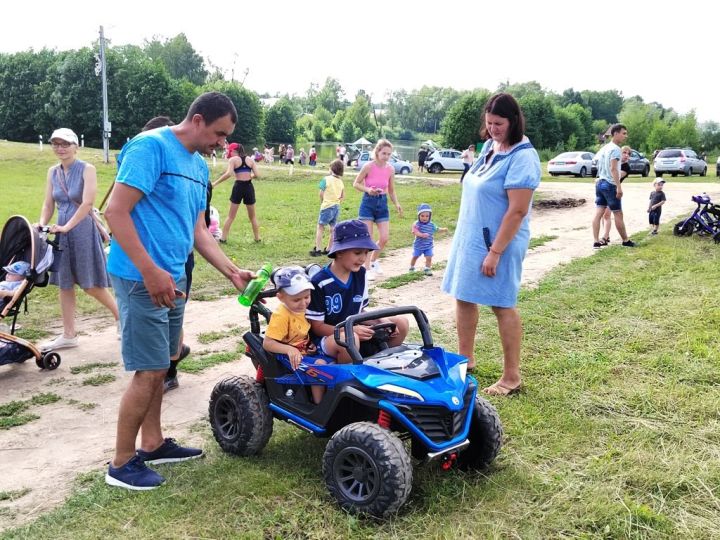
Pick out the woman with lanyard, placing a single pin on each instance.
(71, 187)
(243, 191)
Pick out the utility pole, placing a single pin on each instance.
(101, 69)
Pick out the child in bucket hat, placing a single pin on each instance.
(341, 291)
(424, 229)
(288, 329)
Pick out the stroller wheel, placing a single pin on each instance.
(49, 361)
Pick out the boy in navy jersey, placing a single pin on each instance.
(341, 290)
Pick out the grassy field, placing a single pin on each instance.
(287, 209)
(616, 435)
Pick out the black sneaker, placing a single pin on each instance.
(315, 253)
(169, 452)
(133, 475)
(628, 243)
(597, 245)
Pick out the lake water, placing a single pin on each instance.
(326, 151)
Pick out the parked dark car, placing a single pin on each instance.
(639, 164)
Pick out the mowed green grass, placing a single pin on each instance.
(287, 208)
(616, 435)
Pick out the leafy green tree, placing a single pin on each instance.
(570, 97)
(280, 122)
(249, 127)
(330, 96)
(179, 57)
(21, 78)
(684, 131)
(323, 116)
(605, 105)
(541, 125)
(640, 119)
(709, 136)
(358, 114)
(462, 123)
(72, 95)
(519, 90)
(575, 121)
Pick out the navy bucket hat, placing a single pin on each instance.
(351, 234)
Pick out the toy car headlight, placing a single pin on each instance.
(400, 390)
(463, 371)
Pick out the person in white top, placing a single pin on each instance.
(468, 156)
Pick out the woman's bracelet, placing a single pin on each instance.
(494, 251)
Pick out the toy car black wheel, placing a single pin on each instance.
(485, 437)
(50, 361)
(367, 469)
(716, 237)
(240, 419)
(685, 228)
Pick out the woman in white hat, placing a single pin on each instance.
(71, 187)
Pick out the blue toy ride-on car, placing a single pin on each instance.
(379, 411)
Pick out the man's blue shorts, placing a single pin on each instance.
(329, 216)
(374, 208)
(606, 195)
(150, 334)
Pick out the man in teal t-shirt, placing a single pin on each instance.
(157, 215)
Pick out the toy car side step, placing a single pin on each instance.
(295, 420)
(435, 455)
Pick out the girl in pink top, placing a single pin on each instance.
(376, 181)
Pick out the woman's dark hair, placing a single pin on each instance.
(240, 150)
(506, 106)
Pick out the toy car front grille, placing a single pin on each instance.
(439, 423)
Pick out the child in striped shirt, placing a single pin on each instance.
(424, 229)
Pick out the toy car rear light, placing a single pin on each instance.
(571, 162)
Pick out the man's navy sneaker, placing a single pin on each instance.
(169, 452)
(133, 475)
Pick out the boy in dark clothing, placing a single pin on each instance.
(657, 199)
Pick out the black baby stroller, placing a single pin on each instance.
(20, 241)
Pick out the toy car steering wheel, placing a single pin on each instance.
(383, 331)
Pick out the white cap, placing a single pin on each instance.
(292, 280)
(65, 134)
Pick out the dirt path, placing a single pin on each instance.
(77, 434)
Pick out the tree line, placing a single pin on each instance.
(45, 89)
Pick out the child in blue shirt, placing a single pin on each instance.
(340, 290)
(424, 229)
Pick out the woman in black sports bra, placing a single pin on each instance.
(244, 169)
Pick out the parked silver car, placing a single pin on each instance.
(400, 165)
(679, 161)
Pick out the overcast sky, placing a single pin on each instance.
(664, 51)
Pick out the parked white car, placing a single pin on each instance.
(444, 160)
(575, 163)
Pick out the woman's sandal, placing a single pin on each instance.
(498, 389)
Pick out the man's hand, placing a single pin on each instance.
(241, 278)
(161, 287)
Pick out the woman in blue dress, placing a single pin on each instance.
(492, 236)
